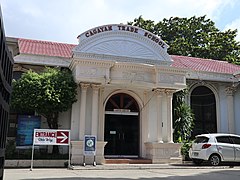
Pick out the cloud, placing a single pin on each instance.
(64, 20)
(32, 10)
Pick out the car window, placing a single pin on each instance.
(236, 140)
(201, 139)
(223, 139)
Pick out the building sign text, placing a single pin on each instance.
(127, 28)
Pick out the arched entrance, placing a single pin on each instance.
(121, 126)
(203, 104)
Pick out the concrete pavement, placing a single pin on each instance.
(126, 171)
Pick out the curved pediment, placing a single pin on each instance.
(123, 41)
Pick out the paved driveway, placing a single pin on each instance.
(125, 172)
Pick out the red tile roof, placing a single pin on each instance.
(27, 46)
(47, 48)
(200, 64)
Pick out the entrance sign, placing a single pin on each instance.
(89, 145)
(51, 137)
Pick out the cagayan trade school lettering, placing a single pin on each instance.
(110, 28)
(155, 39)
(98, 30)
(125, 28)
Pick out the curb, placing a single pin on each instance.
(144, 166)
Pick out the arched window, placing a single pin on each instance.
(122, 101)
(203, 104)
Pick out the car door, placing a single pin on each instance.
(226, 148)
(236, 141)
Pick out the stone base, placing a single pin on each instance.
(77, 153)
(36, 163)
(163, 152)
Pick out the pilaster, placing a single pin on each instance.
(169, 126)
(101, 115)
(95, 88)
(83, 101)
(144, 123)
(230, 109)
(160, 112)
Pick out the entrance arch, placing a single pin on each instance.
(122, 126)
(203, 104)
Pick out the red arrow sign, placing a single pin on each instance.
(63, 137)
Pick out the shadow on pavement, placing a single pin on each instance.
(216, 175)
(206, 164)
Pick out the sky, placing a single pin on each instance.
(63, 20)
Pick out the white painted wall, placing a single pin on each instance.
(64, 120)
(237, 110)
(223, 109)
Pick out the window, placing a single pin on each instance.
(223, 139)
(236, 140)
(201, 139)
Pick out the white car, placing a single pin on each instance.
(215, 148)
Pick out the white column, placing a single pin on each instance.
(230, 109)
(159, 93)
(169, 116)
(83, 101)
(95, 114)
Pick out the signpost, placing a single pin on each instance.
(51, 137)
(89, 148)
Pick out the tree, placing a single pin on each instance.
(183, 117)
(47, 93)
(195, 36)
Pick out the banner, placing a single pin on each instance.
(26, 126)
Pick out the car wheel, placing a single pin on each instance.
(197, 161)
(215, 160)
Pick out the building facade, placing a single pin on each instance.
(126, 81)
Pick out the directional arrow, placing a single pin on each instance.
(62, 137)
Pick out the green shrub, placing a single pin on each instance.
(185, 149)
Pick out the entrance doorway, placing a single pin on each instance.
(121, 126)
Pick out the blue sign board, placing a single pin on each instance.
(89, 145)
(26, 126)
